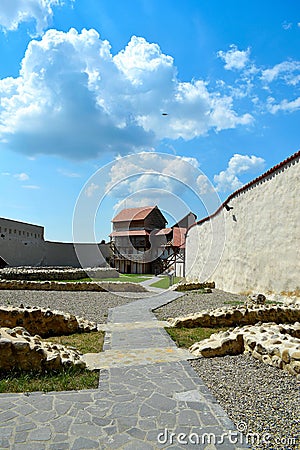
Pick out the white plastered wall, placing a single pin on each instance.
(260, 250)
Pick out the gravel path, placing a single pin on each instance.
(264, 398)
(90, 305)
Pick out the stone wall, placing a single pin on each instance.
(100, 286)
(21, 351)
(239, 315)
(251, 244)
(276, 345)
(44, 322)
(27, 251)
(56, 273)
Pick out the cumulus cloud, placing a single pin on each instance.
(227, 180)
(284, 105)
(14, 12)
(150, 170)
(234, 58)
(91, 189)
(103, 103)
(289, 71)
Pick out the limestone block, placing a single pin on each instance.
(207, 286)
(233, 316)
(270, 343)
(43, 321)
(19, 350)
(110, 286)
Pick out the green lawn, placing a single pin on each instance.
(164, 282)
(185, 337)
(66, 380)
(130, 277)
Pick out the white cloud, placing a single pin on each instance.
(21, 176)
(146, 171)
(234, 58)
(286, 70)
(284, 105)
(30, 186)
(287, 25)
(204, 185)
(227, 180)
(68, 174)
(89, 192)
(14, 12)
(103, 103)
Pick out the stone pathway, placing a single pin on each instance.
(141, 403)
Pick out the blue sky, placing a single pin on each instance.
(85, 84)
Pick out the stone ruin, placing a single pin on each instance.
(276, 345)
(21, 345)
(271, 333)
(21, 351)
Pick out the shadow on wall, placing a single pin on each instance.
(46, 253)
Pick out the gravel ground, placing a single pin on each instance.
(264, 398)
(258, 398)
(194, 302)
(90, 305)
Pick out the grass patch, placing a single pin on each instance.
(185, 337)
(164, 282)
(67, 380)
(129, 278)
(84, 342)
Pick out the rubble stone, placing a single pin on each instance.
(239, 315)
(20, 351)
(273, 344)
(43, 321)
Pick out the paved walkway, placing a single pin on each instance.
(149, 397)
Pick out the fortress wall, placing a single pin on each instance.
(258, 241)
(45, 253)
(78, 255)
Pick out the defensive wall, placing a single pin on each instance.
(23, 244)
(251, 243)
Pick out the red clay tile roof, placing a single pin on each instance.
(129, 233)
(248, 185)
(179, 237)
(128, 214)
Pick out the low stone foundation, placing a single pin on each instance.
(276, 345)
(44, 322)
(239, 315)
(193, 286)
(103, 286)
(56, 273)
(21, 351)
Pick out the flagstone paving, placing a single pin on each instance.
(149, 397)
